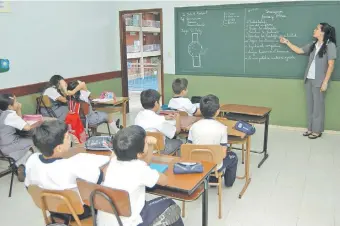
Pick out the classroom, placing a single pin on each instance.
(246, 56)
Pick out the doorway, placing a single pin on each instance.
(141, 39)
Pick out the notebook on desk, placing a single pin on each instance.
(159, 167)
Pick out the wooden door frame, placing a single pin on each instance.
(123, 54)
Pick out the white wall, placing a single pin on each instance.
(67, 38)
(75, 38)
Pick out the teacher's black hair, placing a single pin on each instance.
(329, 36)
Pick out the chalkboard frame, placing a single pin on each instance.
(178, 10)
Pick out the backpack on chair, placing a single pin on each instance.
(74, 122)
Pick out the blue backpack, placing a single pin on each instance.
(245, 127)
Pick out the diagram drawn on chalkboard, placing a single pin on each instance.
(195, 50)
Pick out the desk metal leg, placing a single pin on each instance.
(265, 143)
(205, 204)
(124, 114)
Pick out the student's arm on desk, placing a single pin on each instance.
(162, 180)
(198, 113)
(178, 123)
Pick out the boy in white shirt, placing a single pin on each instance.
(179, 101)
(209, 131)
(149, 120)
(130, 172)
(49, 170)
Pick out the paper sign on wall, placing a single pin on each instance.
(4, 7)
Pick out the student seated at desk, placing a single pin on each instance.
(168, 125)
(11, 143)
(49, 170)
(57, 91)
(93, 117)
(130, 172)
(209, 131)
(180, 102)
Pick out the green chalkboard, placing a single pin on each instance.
(243, 40)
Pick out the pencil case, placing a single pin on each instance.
(187, 168)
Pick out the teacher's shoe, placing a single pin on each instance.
(314, 135)
(307, 133)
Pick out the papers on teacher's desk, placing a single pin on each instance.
(102, 100)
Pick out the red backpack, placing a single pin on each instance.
(74, 122)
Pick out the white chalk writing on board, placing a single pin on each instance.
(261, 36)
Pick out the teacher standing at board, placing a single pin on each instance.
(322, 54)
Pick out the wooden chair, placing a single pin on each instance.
(105, 199)
(160, 145)
(234, 140)
(66, 202)
(12, 169)
(211, 153)
(44, 101)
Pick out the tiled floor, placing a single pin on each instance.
(299, 185)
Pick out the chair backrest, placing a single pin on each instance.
(65, 201)
(183, 113)
(160, 145)
(120, 198)
(45, 101)
(210, 153)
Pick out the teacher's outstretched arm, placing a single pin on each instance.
(293, 47)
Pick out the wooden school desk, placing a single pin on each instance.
(185, 187)
(234, 137)
(251, 114)
(237, 137)
(113, 106)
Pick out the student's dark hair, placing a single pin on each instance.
(6, 100)
(329, 36)
(49, 135)
(209, 105)
(149, 97)
(128, 142)
(54, 82)
(179, 84)
(71, 86)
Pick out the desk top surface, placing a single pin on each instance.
(119, 100)
(245, 109)
(186, 183)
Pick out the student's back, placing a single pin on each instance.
(130, 172)
(49, 170)
(61, 174)
(179, 101)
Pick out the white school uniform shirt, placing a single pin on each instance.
(151, 122)
(131, 176)
(183, 104)
(52, 93)
(311, 72)
(14, 120)
(61, 174)
(208, 132)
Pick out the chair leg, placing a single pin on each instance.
(242, 153)
(183, 209)
(108, 128)
(11, 184)
(220, 196)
